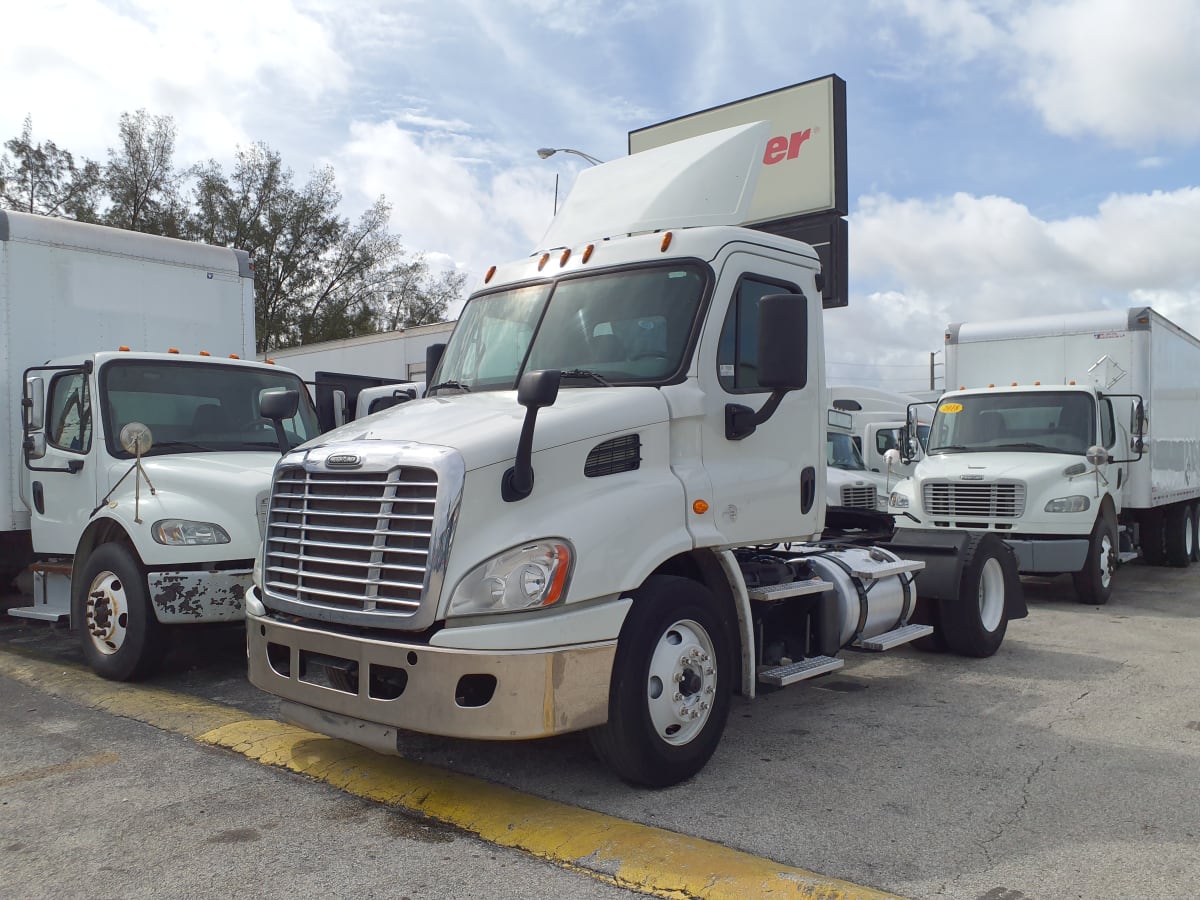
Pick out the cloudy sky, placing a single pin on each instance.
(1006, 157)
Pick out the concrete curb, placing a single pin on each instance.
(626, 854)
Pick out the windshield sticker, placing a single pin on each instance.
(950, 408)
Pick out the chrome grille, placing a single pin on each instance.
(351, 540)
(983, 500)
(858, 497)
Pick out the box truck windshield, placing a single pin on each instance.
(1050, 422)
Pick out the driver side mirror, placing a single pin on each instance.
(277, 406)
(33, 404)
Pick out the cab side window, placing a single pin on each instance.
(69, 418)
(1108, 427)
(737, 351)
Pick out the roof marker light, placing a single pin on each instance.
(991, 385)
(124, 348)
(587, 252)
(234, 356)
(204, 353)
(269, 362)
(490, 273)
(542, 261)
(172, 349)
(1014, 384)
(566, 254)
(666, 242)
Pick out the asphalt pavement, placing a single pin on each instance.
(1068, 765)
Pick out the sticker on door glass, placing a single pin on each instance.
(950, 407)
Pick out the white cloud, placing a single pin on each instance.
(964, 258)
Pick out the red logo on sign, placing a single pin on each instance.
(781, 148)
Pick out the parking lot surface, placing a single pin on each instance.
(1068, 765)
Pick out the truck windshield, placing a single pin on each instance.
(1045, 421)
(628, 327)
(841, 452)
(192, 407)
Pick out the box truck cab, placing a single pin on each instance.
(848, 481)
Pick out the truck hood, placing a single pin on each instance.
(484, 427)
(993, 466)
(200, 474)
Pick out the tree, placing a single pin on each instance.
(43, 179)
(317, 276)
(142, 185)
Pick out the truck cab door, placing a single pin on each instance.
(59, 481)
(770, 484)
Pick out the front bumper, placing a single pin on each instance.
(442, 691)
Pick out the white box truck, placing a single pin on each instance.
(1075, 437)
(134, 478)
(601, 516)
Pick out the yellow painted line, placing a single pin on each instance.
(623, 853)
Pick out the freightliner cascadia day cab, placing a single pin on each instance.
(136, 479)
(599, 517)
(1076, 438)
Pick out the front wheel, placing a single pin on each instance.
(1093, 583)
(974, 623)
(671, 684)
(121, 638)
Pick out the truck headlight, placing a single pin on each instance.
(1073, 504)
(531, 576)
(178, 532)
(898, 500)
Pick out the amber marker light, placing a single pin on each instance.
(587, 252)
(204, 353)
(490, 273)
(269, 362)
(234, 356)
(699, 507)
(542, 261)
(124, 348)
(566, 254)
(666, 242)
(172, 349)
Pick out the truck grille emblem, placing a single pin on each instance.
(343, 461)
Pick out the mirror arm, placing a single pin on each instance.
(742, 421)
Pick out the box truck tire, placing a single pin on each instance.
(121, 638)
(1194, 525)
(671, 684)
(1177, 535)
(975, 623)
(1093, 583)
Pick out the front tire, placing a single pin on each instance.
(975, 622)
(671, 685)
(1093, 583)
(110, 605)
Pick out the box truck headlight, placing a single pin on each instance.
(1075, 504)
(898, 500)
(527, 577)
(178, 532)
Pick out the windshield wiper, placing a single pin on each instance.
(182, 445)
(584, 373)
(950, 448)
(1028, 445)
(458, 386)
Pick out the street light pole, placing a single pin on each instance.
(547, 152)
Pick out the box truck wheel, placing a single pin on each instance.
(671, 684)
(1093, 583)
(1194, 524)
(1177, 536)
(974, 623)
(121, 638)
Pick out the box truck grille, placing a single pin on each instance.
(995, 500)
(858, 497)
(354, 541)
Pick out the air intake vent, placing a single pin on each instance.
(997, 500)
(623, 454)
(858, 497)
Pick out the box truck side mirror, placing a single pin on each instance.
(33, 404)
(277, 406)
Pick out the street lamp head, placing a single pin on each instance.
(547, 152)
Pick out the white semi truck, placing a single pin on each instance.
(601, 516)
(135, 479)
(1074, 437)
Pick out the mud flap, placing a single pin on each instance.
(946, 555)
